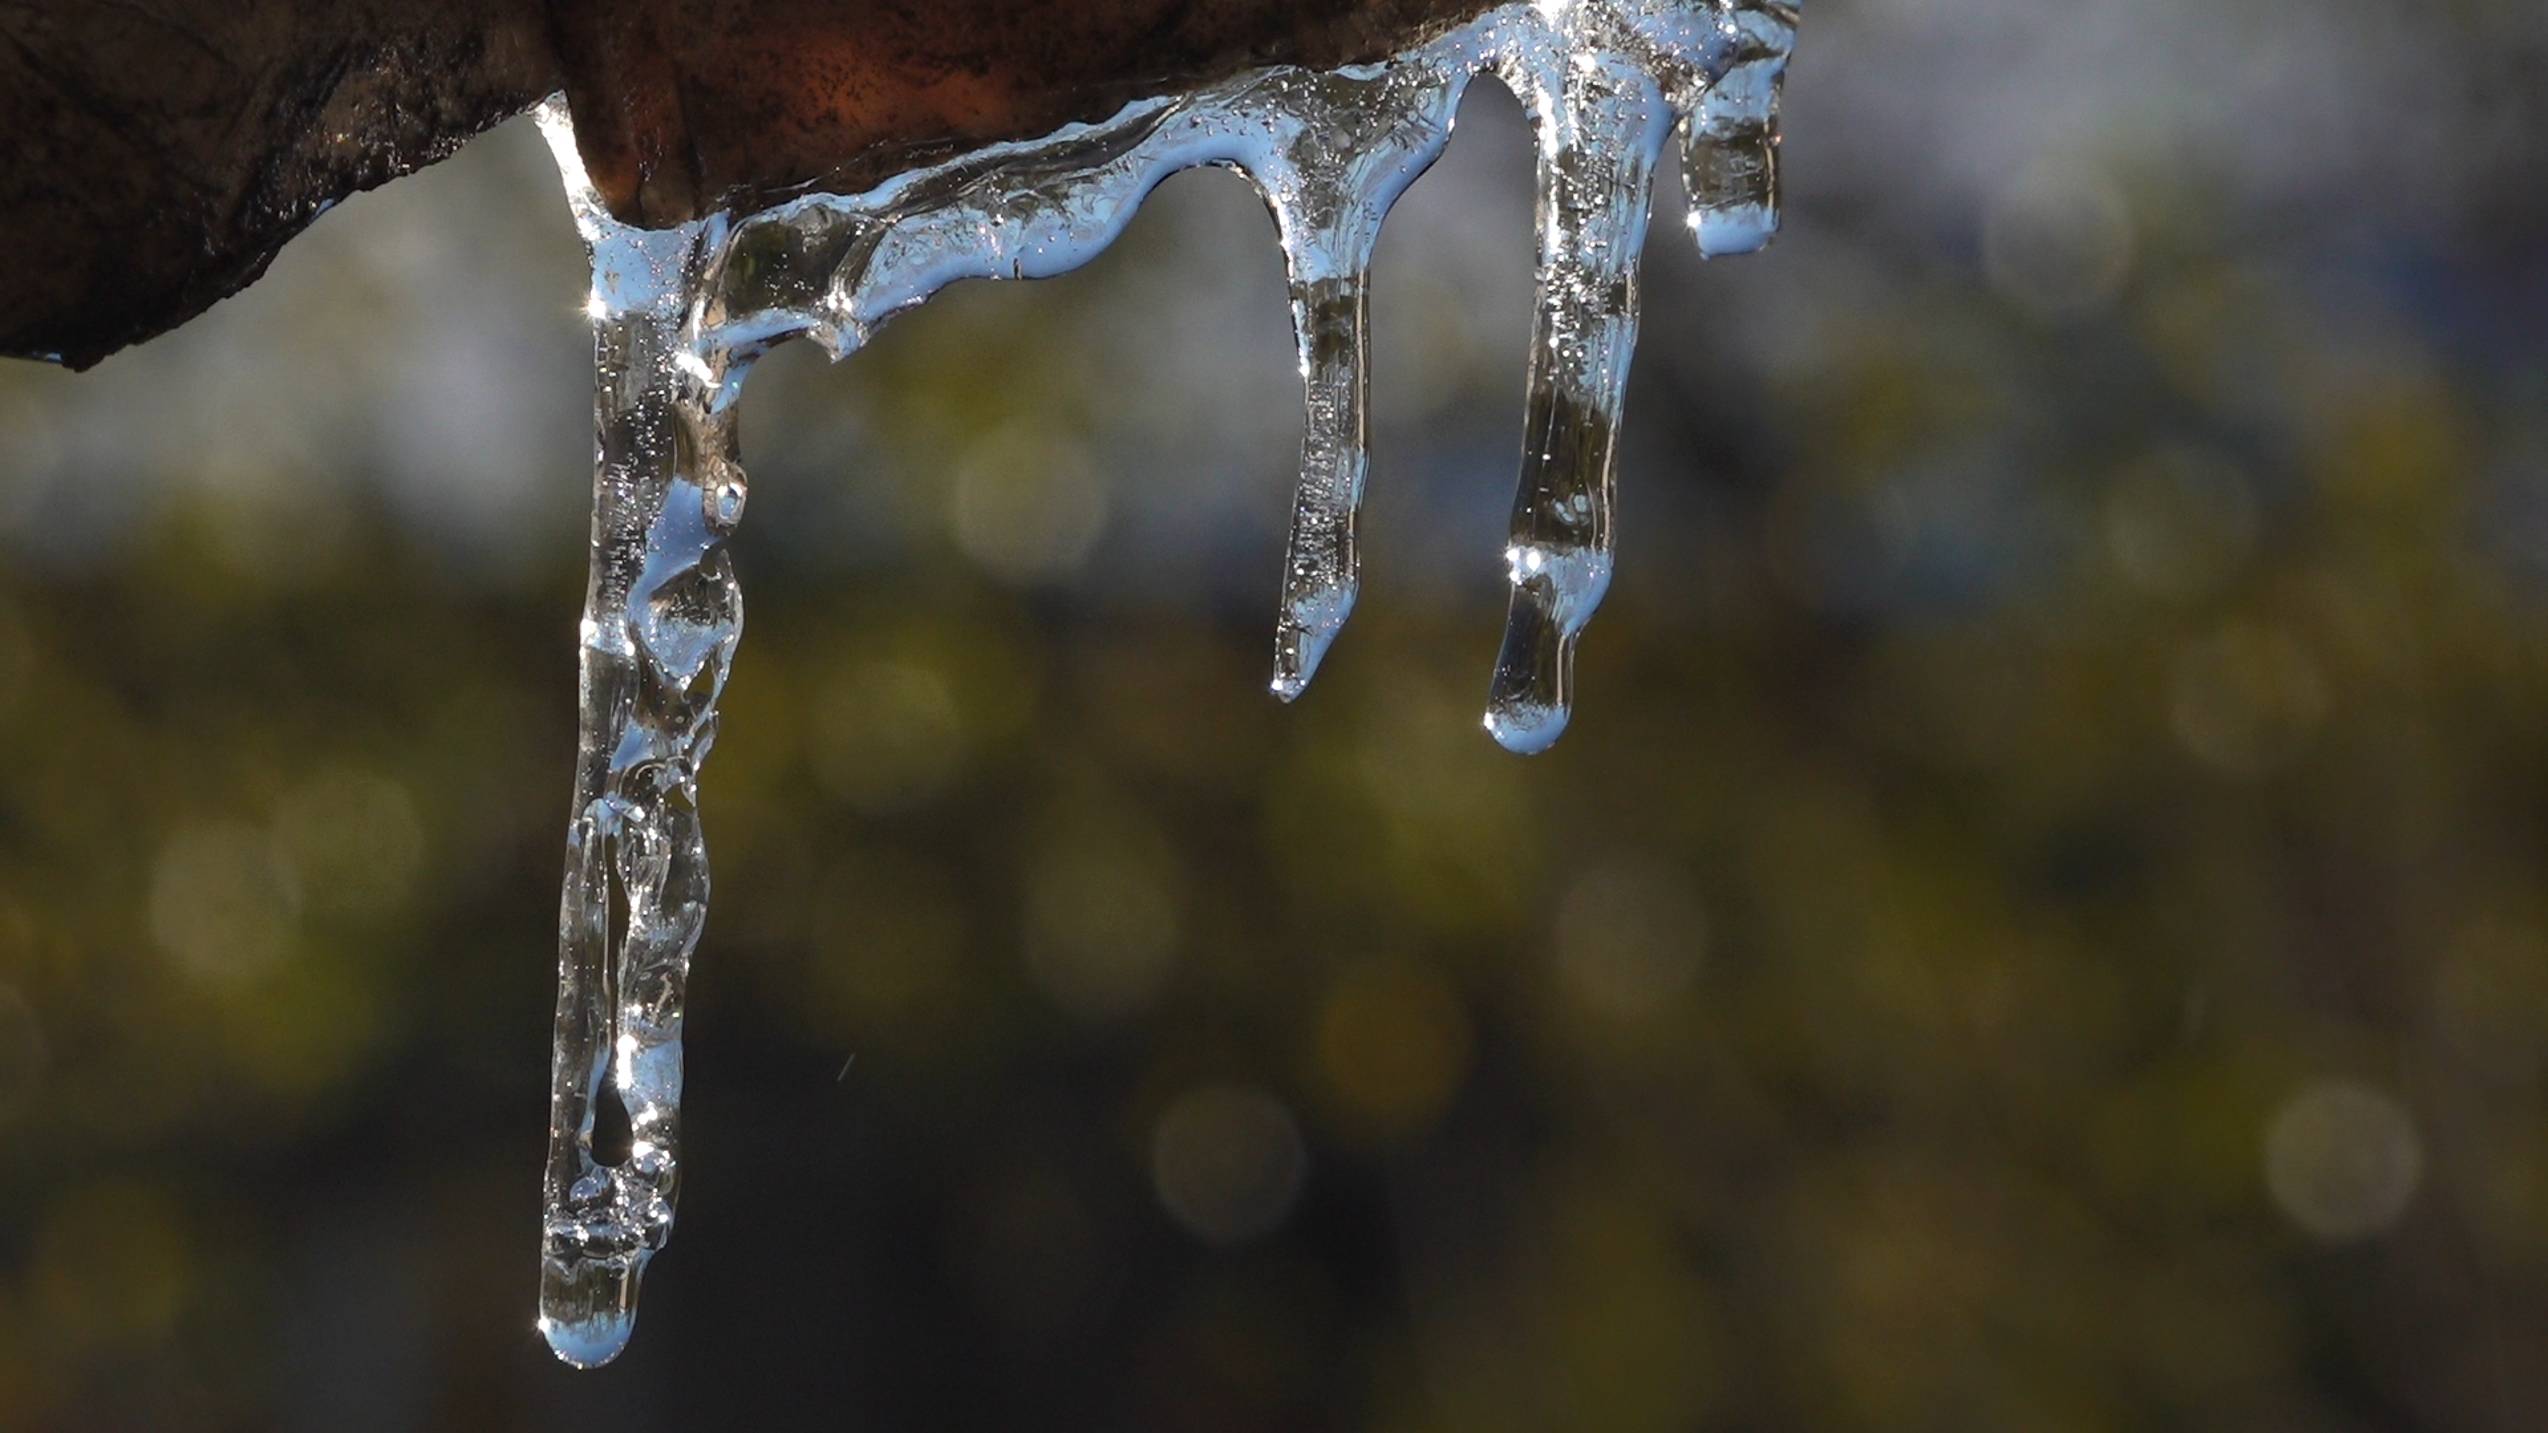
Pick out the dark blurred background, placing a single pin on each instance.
(2041, 921)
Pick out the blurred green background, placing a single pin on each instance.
(2041, 921)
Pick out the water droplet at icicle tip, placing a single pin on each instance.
(679, 314)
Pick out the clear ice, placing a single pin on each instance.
(679, 315)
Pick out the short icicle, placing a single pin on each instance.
(1601, 122)
(1729, 149)
(661, 619)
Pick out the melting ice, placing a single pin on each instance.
(679, 315)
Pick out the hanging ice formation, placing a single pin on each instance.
(679, 315)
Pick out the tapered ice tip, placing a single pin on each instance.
(1310, 622)
(588, 1308)
(1526, 728)
(1735, 230)
(1730, 171)
(589, 1344)
(1297, 653)
(1530, 697)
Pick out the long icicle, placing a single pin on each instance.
(1322, 565)
(1601, 123)
(662, 616)
(1357, 142)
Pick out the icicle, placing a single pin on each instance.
(1355, 142)
(1729, 149)
(1322, 568)
(678, 316)
(1601, 124)
(661, 618)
